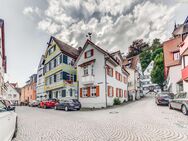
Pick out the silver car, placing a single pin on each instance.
(180, 102)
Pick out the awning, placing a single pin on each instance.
(87, 63)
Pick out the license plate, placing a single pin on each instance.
(76, 106)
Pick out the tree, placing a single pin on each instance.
(137, 47)
(145, 59)
(157, 74)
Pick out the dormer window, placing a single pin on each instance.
(117, 60)
(89, 53)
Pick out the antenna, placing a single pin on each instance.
(88, 35)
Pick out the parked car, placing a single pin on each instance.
(34, 103)
(163, 98)
(180, 102)
(48, 103)
(8, 121)
(72, 104)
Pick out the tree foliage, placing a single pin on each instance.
(137, 47)
(157, 74)
(150, 53)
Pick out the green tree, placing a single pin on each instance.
(145, 59)
(157, 74)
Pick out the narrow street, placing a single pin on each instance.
(137, 121)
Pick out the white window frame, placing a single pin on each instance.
(86, 69)
(176, 56)
(84, 92)
(93, 92)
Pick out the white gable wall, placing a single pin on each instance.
(99, 79)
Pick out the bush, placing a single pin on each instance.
(117, 101)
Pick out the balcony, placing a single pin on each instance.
(89, 79)
(184, 73)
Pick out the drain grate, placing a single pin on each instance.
(114, 112)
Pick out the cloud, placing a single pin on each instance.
(30, 11)
(114, 23)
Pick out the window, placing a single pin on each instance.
(110, 91)
(86, 71)
(56, 94)
(14, 96)
(109, 71)
(65, 59)
(50, 66)
(70, 92)
(50, 80)
(55, 63)
(75, 78)
(55, 78)
(92, 69)
(51, 50)
(84, 92)
(89, 53)
(93, 91)
(176, 55)
(63, 93)
(117, 60)
(60, 59)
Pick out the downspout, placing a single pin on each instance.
(105, 80)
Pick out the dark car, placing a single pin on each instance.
(180, 102)
(163, 98)
(34, 103)
(71, 104)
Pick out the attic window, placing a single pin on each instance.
(89, 53)
(117, 60)
(51, 50)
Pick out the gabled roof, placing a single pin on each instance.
(181, 29)
(132, 61)
(119, 53)
(65, 48)
(98, 48)
(102, 51)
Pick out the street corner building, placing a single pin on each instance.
(59, 74)
(101, 76)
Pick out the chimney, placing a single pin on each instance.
(79, 49)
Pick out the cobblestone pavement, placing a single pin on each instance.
(142, 120)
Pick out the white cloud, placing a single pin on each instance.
(114, 23)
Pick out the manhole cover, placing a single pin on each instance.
(114, 112)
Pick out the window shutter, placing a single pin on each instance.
(80, 92)
(88, 91)
(112, 91)
(112, 73)
(97, 91)
(108, 90)
(116, 92)
(92, 52)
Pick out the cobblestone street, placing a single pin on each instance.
(137, 121)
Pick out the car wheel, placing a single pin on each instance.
(66, 108)
(16, 128)
(184, 110)
(44, 106)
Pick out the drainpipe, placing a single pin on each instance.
(105, 80)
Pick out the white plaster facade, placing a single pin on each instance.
(40, 93)
(174, 76)
(146, 81)
(11, 93)
(102, 87)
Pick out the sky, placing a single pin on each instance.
(114, 24)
